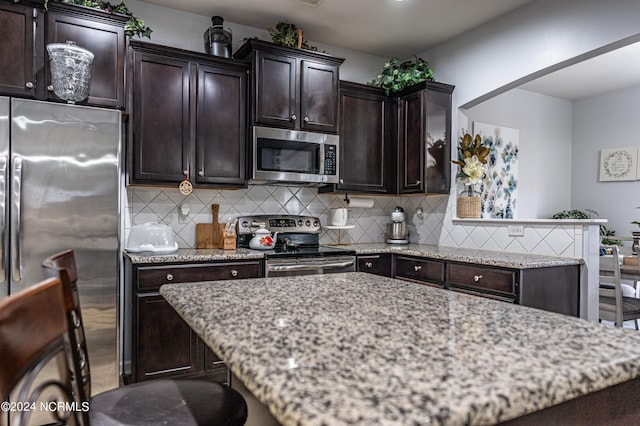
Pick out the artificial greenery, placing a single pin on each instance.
(635, 222)
(575, 214)
(134, 26)
(605, 234)
(287, 34)
(394, 77)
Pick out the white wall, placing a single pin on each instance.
(186, 31)
(606, 121)
(544, 124)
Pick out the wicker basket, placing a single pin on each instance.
(469, 207)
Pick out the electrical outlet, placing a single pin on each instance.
(516, 230)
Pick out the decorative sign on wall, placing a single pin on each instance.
(500, 186)
(618, 164)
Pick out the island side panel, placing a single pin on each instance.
(555, 289)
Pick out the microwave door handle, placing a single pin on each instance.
(16, 234)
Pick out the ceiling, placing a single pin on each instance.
(610, 71)
(385, 28)
(389, 28)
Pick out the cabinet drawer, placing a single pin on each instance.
(428, 271)
(477, 278)
(378, 264)
(154, 276)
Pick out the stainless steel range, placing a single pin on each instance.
(297, 249)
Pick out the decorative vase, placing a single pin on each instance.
(469, 203)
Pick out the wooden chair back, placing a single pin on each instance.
(610, 286)
(33, 328)
(63, 267)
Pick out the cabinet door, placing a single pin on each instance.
(161, 132)
(431, 272)
(220, 126)
(438, 153)
(17, 50)
(166, 344)
(106, 41)
(319, 96)
(275, 91)
(411, 143)
(365, 127)
(483, 280)
(378, 264)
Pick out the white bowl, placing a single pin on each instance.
(151, 237)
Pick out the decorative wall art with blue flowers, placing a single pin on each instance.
(500, 185)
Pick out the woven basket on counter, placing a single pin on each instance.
(469, 207)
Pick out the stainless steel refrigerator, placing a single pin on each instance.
(59, 189)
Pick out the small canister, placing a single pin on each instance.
(217, 38)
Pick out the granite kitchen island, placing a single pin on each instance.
(362, 349)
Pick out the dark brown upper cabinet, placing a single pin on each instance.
(188, 112)
(292, 88)
(28, 28)
(424, 139)
(366, 129)
(397, 144)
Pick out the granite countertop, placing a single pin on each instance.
(402, 354)
(194, 255)
(482, 257)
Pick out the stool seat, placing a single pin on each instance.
(172, 402)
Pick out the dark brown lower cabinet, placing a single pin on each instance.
(378, 264)
(554, 289)
(157, 341)
(421, 270)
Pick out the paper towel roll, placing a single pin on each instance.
(364, 203)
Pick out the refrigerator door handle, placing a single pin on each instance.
(3, 215)
(16, 225)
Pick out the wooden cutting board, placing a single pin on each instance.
(209, 235)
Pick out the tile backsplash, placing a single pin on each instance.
(434, 225)
(162, 205)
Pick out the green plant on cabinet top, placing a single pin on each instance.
(394, 78)
(133, 27)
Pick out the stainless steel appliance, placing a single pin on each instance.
(397, 228)
(59, 189)
(290, 156)
(297, 250)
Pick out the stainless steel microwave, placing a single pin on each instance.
(296, 157)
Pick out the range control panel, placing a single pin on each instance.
(284, 223)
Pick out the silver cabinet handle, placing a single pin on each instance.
(201, 173)
(417, 268)
(418, 182)
(305, 119)
(293, 117)
(477, 278)
(29, 85)
(3, 211)
(50, 88)
(169, 277)
(368, 264)
(341, 180)
(234, 273)
(16, 225)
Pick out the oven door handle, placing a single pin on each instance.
(309, 267)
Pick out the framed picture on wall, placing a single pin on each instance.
(619, 164)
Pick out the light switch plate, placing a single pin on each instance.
(516, 230)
